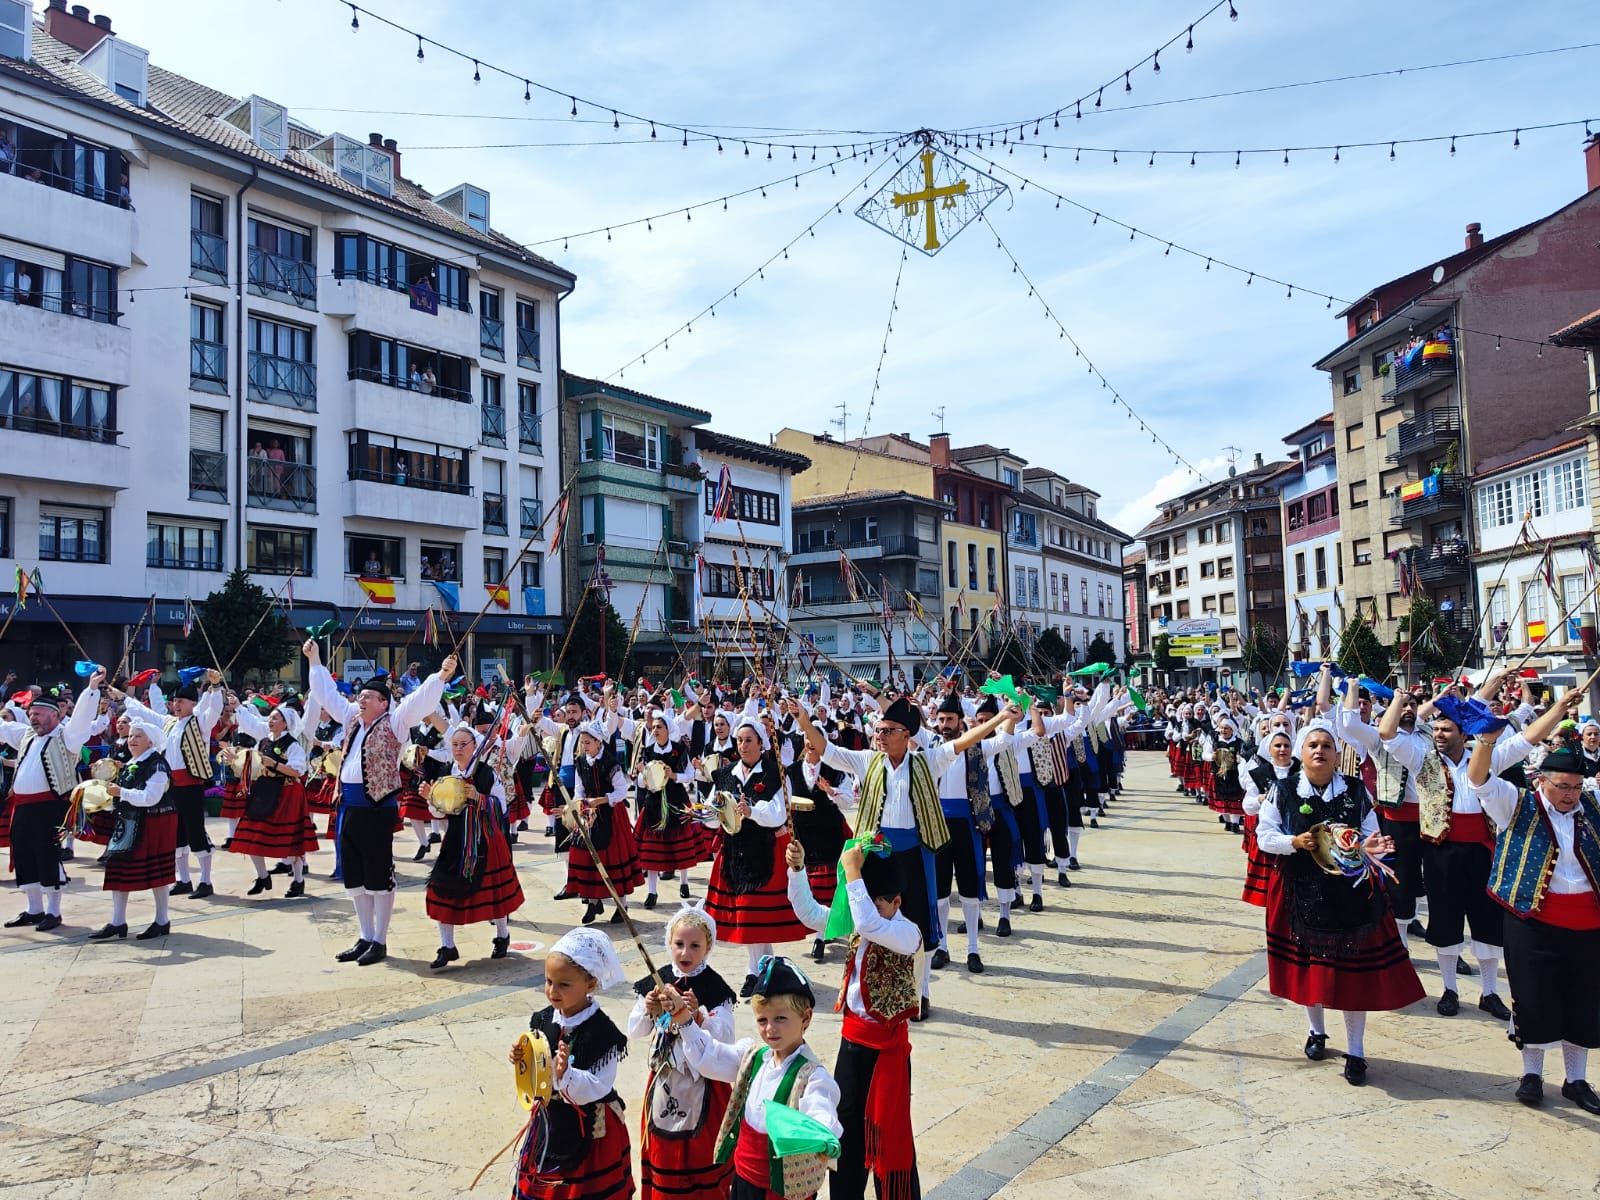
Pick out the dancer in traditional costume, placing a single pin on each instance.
(229, 736)
(1274, 764)
(275, 823)
(819, 824)
(1329, 945)
(369, 789)
(683, 1110)
(188, 752)
(1225, 752)
(1546, 874)
(414, 810)
(473, 879)
(577, 1147)
(668, 837)
(601, 795)
(47, 753)
(142, 853)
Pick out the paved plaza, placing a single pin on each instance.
(1121, 1043)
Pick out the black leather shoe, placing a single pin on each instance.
(1036, 904)
(1072, 863)
(590, 912)
(616, 917)
(202, 892)
(1495, 1007)
(1417, 929)
(159, 930)
(1316, 1046)
(181, 889)
(66, 855)
(1581, 1094)
(974, 965)
(422, 853)
(1463, 967)
(262, 884)
(376, 952)
(819, 950)
(47, 922)
(502, 946)
(297, 888)
(563, 894)
(650, 900)
(445, 956)
(1093, 824)
(1063, 879)
(683, 890)
(227, 844)
(1530, 1091)
(922, 1012)
(748, 988)
(106, 932)
(1449, 1003)
(354, 952)
(522, 827)
(1355, 1070)
(23, 919)
(1003, 928)
(281, 869)
(433, 838)
(940, 959)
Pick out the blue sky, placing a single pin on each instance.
(1207, 361)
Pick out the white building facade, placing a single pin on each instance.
(1081, 573)
(1313, 557)
(231, 341)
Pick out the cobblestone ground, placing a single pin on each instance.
(1121, 1043)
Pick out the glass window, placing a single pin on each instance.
(530, 428)
(1494, 505)
(375, 557)
(494, 565)
(441, 560)
(72, 534)
(279, 551)
(208, 356)
(991, 573)
(950, 564)
(178, 543)
(16, 19)
(533, 570)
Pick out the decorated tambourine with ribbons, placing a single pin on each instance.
(1341, 850)
(534, 1066)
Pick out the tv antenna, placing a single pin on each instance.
(841, 422)
(939, 414)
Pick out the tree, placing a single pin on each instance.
(1165, 660)
(1006, 656)
(1360, 651)
(583, 650)
(1264, 653)
(1051, 651)
(1435, 650)
(229, 616)
(1101, 651)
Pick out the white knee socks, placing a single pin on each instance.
(260, 864)
(363, 902)
(420, 828)
(943, 905)
(1005, 896)
(233, 826)
(1037, 871)
(447, 936)
(1447, 967)
(182, 866)
(754, 954)
(651, 880)
(1073, 836)
(382, 910)
(1533, 1060)
(52, 901)
(1355, 1033)
(35, 894)
(1315, 1019)
(1576, 1061)
(1488, 967)
(119, 908)
(971, 911)
(297, 869)
(205, 866)
(502, 927)
(162, 904)
(926, 975)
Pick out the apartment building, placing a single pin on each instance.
(228, 339)
(1313, 553)
(1083, 559)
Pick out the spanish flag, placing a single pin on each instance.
(379, 591)
(500, 593)
(1536, 631)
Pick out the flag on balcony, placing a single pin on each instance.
(847, 575)
(379, 591)
(916, 606)
(424, 298)
(188, 618)
(450, 593)
(430, 628)
(560, 515)
(500, 593)
(724, 494)
(1537, 631)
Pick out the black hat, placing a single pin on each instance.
(903, 712)
(378, 685)
(989, 706)
(1563, 760)
(881, 877)
(778, 976)
(952, 704)
(46, 699)
(187, 692)
(485, 715)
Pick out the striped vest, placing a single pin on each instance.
(1525, 853)
(924, 799)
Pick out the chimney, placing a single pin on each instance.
(393, 148)
(1474, 236)
(1591, 161)
(1259, 463)
(74, 27)
(375, 139)
(939, 449)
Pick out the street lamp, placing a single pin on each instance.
(601, 582)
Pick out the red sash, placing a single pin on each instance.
(182, 778)
(752, 1156)
(1469, 827)
(890, 1149)
(19, 799)
(1570, 910)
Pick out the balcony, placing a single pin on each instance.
(379, 310)
(285, 486)
(283, 381)
(1434, 495)
(492, 426)
(208, 366)
(444, 414)
(528, 348)
(86, 455)
(64, 344)
(94, 228)
(530, 432)
(679, 478)
(1424, 372)
(492, 338)
(532, 512)
(898, 545)
(391, 496)
(1442, 562)
(208, 256)
(278, 277)
(494, 512)
(208, 476)
(1432, 430)
(1459, 621)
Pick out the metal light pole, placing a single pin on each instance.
(602, 584)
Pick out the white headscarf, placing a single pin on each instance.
(753, 724)
(593, 951)
(1312, 726)
(695, 915)
(156, 734)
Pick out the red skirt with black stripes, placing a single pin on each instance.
(151, 863)
(620, 857)
(1373, 975)
(498, 895)
(1258, 867)
(763, 915)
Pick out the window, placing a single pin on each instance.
(1297, 514)
(1024, 528)
(1055, 592)
(1300, 571)
(1208, 570)
(282, 263)
(927, 582)
(494, 496)
(1230, 639)
(865, 637)
(1358, 494)
(1181, 580)
(1566, 485)
(992, 572)
(727, 579)
(1352, 381)
(1204, 535)
(1224, 531)
(530, 429)
(1320, 557)
(68, 163)
(491, 390)
(413, 368)
(1208, 604)
(208, 240)
(375, 557)
(1183, 611)
(1019, 590)
(950, 564)
(527, 333)
(1494, 505)
(1084, 590)
(442, 561)
(985, 514)
(208, 356)
(863, 531)
(1572, 593)
(282, 369)
(627, 441)
(1180, 543)
(1100, 599)
(494, 565)
(1012, 477)
(1388, 418)
(59, 407)
(208, 460)
(1498, 605)
(182, 544)
(491, 324)
(72, 534)
(16, 28)
(1224, 568)
(533, 569)
(1316, 508)
(429, 281)
(529, 492)
(402, 462)
(1361, 551)
(972, 565)
(279, 551)
(1260, 527)
(1355, 436)
(5, 528)
(1226, 603)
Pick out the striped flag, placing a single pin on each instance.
(379, 591)
(188, 618)
(560, 531)
(724, 494)
(500, 593)
(430, 628)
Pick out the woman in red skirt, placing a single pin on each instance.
(413, 806)
(748, 896)
(1329, 944)
(97, 827)
(149, 862)
(276, 824)
(1225, 756)
(668, 838)
(1274, 762)
(600, 787)
(473, 879)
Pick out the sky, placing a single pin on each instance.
(1216, 367)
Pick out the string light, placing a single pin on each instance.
(877, 374)
(476, 77)
(419, 47)
(355, 19)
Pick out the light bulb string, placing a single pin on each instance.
(1169, 244)
(877, 373)
(732, 293)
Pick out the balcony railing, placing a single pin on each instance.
(896, 545)
(1460, 620)
(1420, 374)
(30, 423)
(530, 430)
(289, 487)
(1443, 493)
(208, 475)
(492, 429)
(492, 338)
(65, 302)
(494, 512)
(208, 255)
(276, 275)
(528, 347)
(188, 560)
(208, 361)
(373, 375)
(287, 381)
(406, 479)
(532, 514)
(1441, 561)
(86, 187)
(1427, 431)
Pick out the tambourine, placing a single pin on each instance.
(91, 796)
(535, 1070)
(709, 766)
(655, 776)
(448, 795)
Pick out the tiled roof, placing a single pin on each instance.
(1221, 501)
(726, 443)
(1585, 331)
(837, 498)
(578, 385)
(981, 450)
(191, 109)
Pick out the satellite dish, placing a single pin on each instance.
(1438, 274)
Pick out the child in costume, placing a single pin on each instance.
(577, 1147)
(777, 1065)
(879, 998)
(683, 1109)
